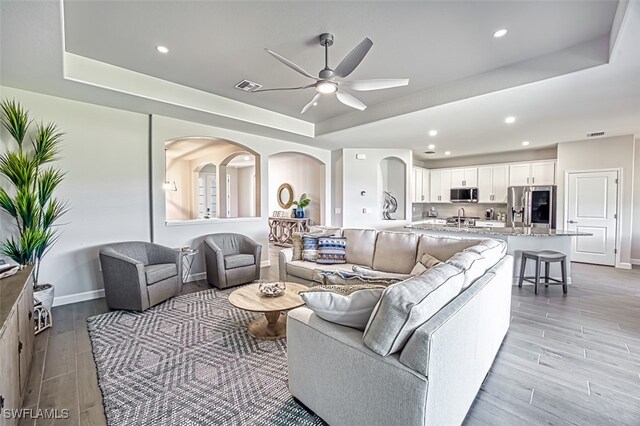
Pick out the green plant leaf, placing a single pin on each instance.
(15, 119)
(6, 203)
(48, 181)
(18, 168)
(46, 143)
(27, 208)
(53, 211)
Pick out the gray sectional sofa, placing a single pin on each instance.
(410, 366)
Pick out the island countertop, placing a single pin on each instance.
(505, 231)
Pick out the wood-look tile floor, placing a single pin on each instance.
(571, 359)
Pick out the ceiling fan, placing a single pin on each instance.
(327, 82)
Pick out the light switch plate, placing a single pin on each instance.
(337, 210)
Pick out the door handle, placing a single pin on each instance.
(572, 221)
(533, 180)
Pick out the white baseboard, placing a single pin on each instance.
(78, 297)
(196, 277)
(624, 265)
(265, 263)
(635, 261)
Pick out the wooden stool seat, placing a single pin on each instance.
(546, 256)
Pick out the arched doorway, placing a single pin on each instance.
(392, 173)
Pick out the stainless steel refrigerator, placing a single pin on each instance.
(532, 206)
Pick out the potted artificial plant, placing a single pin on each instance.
(26, 192)
(300, 205)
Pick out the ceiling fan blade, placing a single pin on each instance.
(383, 83)
(310, 104)
(284, 88)
(353, 59)
(290, 64)
(350, 100)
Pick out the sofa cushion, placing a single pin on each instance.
(331, 250)
(379, 274)
(471, 264)
(345, 305)
(409, 304)
(429, 261)
(309, 247)
(352, 278)
(233, 261)
(361, 245)
(158, 272)
(442, 248)
(309, 270)
(419, 269)
(395, 252)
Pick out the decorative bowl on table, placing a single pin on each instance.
(273, 289)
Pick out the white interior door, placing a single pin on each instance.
(592, 201)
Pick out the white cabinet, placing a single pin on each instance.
(467, 177)
(538, 173)
(440, 186)
(543, 173)
(492, 184)
(420, 181)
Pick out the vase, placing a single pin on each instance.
(44, 293)
(300, 213)
(293, 214)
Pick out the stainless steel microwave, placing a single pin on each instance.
(464, 195)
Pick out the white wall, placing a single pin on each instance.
(635, 225)
(246, 191)
(598, 154)
(305, 175)
(191, 233)
(393, 172)
(365, 211)
(337, 175)
(105, 155)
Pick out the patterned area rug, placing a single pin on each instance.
(190, 361)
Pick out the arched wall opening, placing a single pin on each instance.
(208, 178)
(392, 172)
(306, 175)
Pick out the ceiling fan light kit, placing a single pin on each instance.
(326, 83)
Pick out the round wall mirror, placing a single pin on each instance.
(285, 196)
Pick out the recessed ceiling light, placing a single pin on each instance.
(315, 103)
(447, 153)
(500, 33)
(509, 120)
(433, 132)
(431, 146)
(525, 143)
(162, 49)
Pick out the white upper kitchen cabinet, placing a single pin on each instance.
(543, 173)
(467, 177)
(538, 173)
(492, 184)
(440, 186)
(420, 182)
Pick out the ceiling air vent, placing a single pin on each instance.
(429, 152)
(595, 134)
(248, 86)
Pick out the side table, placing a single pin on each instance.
(188, 256)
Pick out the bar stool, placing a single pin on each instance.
(546, 256)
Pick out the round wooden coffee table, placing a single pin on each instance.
(272, 325)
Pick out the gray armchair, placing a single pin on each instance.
(231, 259)
(138, 275)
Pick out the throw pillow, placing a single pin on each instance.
(363, 270)
(310, 247)
(350, 278)
(331, 250)
(296, 238)
(419, 269)
(352, 309)
(429, 261)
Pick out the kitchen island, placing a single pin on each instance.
(518, 240)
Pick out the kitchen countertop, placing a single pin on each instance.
(507, 231)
